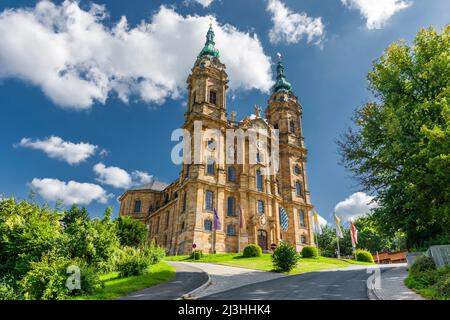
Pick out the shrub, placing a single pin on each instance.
(443, 287)
(252, 250)
(364, 255)
(285, 257)
(196, 255)
(310, 252)
(422, 264)
(133, 263)
(154, 253)
(7, 290)
(48, 278)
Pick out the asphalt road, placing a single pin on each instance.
(186, 279)
(335, 285)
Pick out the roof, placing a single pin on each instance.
(154, 185)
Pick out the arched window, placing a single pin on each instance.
(212, 97)
(260, 207)
(301, 218)
(137, 206)
(297, 170)
(209, 200)
(298, 189)
(292, 126)
(231, 208)
(207, 224)
(231, 174)
(210, 166)
(259, 180)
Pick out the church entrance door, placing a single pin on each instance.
(262, 239)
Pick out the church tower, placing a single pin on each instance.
(284, 113)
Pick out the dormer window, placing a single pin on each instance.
(212, 97)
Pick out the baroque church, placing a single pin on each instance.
(250, 207)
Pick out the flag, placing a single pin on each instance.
(241, 217)
(216, 220)
(317, 227)
(354, 234)
(284, 220)
(338, 226)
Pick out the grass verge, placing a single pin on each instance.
(265, 262)
(116, 287)
(431, 284)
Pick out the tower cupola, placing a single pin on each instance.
(209, 49)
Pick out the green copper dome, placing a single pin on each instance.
(209, 49)
(282, 84)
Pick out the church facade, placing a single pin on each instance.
(249, 205)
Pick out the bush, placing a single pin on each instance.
(422, 264)
(154, 253)
(252, 250)
(196, 255)
(432, 284)
(7, 290)
(310, 252)
(364, 256)
(48, 278)
(133, 263)
(285, 257)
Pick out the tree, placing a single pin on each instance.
(131, 233)
(27, 231)
(94, 240)
(400, 149)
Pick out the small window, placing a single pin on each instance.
(303, 239)
(231, 208)
(298, 189)
(297, 170)
(210, 167)
(258, 157)
(186, 172)
(231, 174)
(292, 126)
(231, 230)
(184, 202)
(301, 218)
(137, 206)
(209, 200)
(212, 97)
(275, 126)
(182, 226)
(207, 224)
(260, 207)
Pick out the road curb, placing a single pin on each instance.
(192, 294)
(372, 293)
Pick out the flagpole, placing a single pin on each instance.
(339, 251)
(239, 232)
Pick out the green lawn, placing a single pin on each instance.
(116, 287)
(265, 263)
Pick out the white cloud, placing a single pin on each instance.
(141, 177)
(56, 147)
(69, 193)
(77, 60)
(204, 3)
(378, 12)
(113, 176)
(120, 178)
(356, 205)
(291, 27)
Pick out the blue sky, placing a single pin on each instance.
(124, 96)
